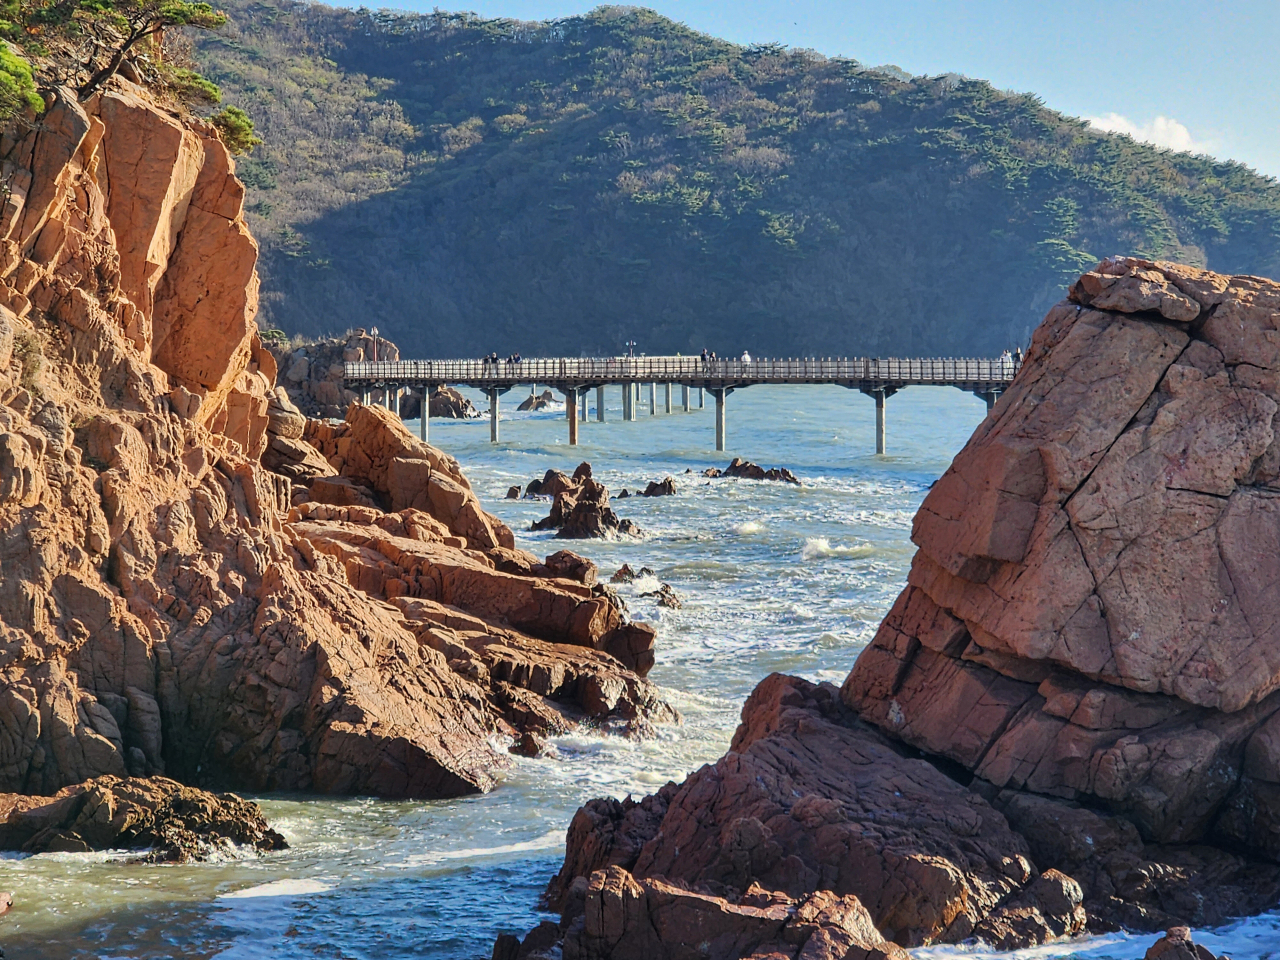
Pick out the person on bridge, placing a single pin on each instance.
(746, 357)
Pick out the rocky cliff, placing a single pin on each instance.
(163, 605)
(1070, 719)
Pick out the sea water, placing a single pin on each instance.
(773, 578)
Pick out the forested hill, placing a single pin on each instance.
(471, 185)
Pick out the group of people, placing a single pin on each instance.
(1016, 356)
(710, 357)
(493, 359)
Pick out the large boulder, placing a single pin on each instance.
(808, 799)
(1094, 609)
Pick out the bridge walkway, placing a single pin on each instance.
(879, 378)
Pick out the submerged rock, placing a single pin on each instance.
(1178, 945)
(174, 823)
(666, 597)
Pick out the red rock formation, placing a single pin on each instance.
(1087, 642)
(160, 610)
(1092, 612)
(171, 822)
(807, 799)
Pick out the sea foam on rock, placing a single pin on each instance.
(1069, 720)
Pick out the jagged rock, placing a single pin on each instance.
(623, 917)
(809, 799)
(159, 611)
(747, 470)
(513, 493)
(539, 402)
(1092, 610)
(581, 507)
(624, 574)
(1177, 944)
(664, 488)
(312, 371)
(665, 596)
(1129, 884)
(174, 823)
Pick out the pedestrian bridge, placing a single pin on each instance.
(576, 377)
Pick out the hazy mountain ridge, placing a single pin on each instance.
(471, 184)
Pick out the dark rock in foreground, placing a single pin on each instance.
(175, 823)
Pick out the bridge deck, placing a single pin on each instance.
(967, 374)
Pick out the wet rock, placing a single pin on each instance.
(539, 402)
(513, 493)
(622, 917)
(664, 488)
(746, 470)
(623, 494)
(624, 574)
(1177, 944)
(581, 508)
(665, 596)
(530, 744)
(175, 823)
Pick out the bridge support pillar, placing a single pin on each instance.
(582, 404)
(571, 413)
(364, 396)
(991, 397)
(600, 404)
(668, 403)
(685, 396)
(628, 401)
(880, 427)
(493, 416)
(701, 400)
(424, 415)
(653, 399)
(720, 394)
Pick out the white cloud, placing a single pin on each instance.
(1162, 131)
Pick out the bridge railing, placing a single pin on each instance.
(671, 369)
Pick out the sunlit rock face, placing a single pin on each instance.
(1094, 609)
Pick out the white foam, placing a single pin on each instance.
(279, 888)
(747, 527)
(816, 548)
(552, 840)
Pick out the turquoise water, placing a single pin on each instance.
(773, 577)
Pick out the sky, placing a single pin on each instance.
(1202, 77)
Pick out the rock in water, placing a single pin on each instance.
(446, 403)
(660, 488)
(581, 508)
(539, 402)
(175, 823)
(747, 470)
(1178, 945)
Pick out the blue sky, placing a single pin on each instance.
(1199, 76)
